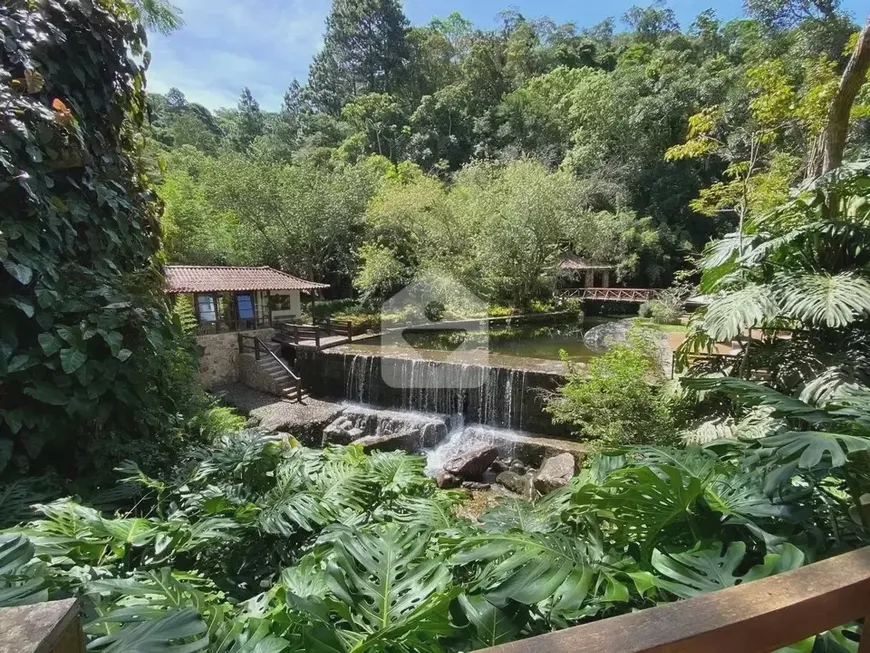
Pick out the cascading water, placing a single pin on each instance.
(494, 396)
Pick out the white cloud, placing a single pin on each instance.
(227, 45)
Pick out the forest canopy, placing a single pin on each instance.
(634, 141)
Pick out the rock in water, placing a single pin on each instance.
(556, 472)
(472, 463)
(447, 481)
(514, 482)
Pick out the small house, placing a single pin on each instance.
(228, 299)
(574, 271)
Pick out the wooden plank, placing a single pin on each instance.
(52, 627)
(753, 618)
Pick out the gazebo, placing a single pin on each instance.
(227, 299)
(572, 268)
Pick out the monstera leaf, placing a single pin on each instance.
(810, 447)
(696, 572)
(492, 625)
(387, 590)
(19, 585)
(530, 568)
(178, 631)
(642, 502)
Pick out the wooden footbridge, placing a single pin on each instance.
(628, 295)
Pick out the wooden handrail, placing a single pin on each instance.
(760, 616)
(260, 346)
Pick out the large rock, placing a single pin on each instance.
(556, 472)
(447, 481)
(471, 463)
(515, 482)
(524, 450)
(386, 430)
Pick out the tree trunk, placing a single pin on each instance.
(827, 153)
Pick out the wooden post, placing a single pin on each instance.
(317, 338)
(328, 325)
(299, 391)
(296, 333)
(241, 344)
(54, 627)
(257, 348)
(350, 331)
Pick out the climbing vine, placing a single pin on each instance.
(88, 349)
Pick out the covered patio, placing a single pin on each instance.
(230, 299)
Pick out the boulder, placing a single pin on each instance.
(517, 467)
(472, 463)
(404, 441)
(556, 472)
(514, 482)
(447, 481)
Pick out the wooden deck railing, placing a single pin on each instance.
(610, 294)
(231, 326)
(295, 334)
(760, 616)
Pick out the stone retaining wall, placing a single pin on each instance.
(220, 352)
(509, 398)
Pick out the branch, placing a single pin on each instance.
(832, 142)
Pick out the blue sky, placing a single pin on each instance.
(263, 44)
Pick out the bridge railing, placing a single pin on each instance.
(610, 294)
(763, 615)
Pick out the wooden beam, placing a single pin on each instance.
(760, 616)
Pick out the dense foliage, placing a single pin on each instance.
(362, 553)
(90, 358)
(659, 136)
(619, 398)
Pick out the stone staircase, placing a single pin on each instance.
(282, 379)
(261, 367)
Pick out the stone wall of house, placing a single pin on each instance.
(220, 353)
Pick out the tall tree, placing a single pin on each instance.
(249, 123)
(365, 51)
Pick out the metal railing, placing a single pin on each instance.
(260, 349)
(763, 615)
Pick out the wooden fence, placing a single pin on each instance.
(760, 616)
(637, 295)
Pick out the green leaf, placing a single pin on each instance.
(833, 301)
(47, 393)
(707, 570)
(49, 343)
(815, 445)
(21, 273)
(170, 633)
(72, 359)
(730, 315)
(124, 354)
(492, 625)
(15, 552)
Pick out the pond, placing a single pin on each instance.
(535, 341)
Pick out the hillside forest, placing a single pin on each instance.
(491, 152)
(728, 159)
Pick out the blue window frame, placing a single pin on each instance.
(207, 311)
(246, 307)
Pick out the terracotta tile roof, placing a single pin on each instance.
(203, 278)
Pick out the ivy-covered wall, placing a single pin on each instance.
(88, 348)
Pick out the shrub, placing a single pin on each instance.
(664, 312)
(617, 400)
(645, 310)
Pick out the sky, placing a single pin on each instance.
(226, 45)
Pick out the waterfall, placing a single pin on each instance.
(492, 396)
